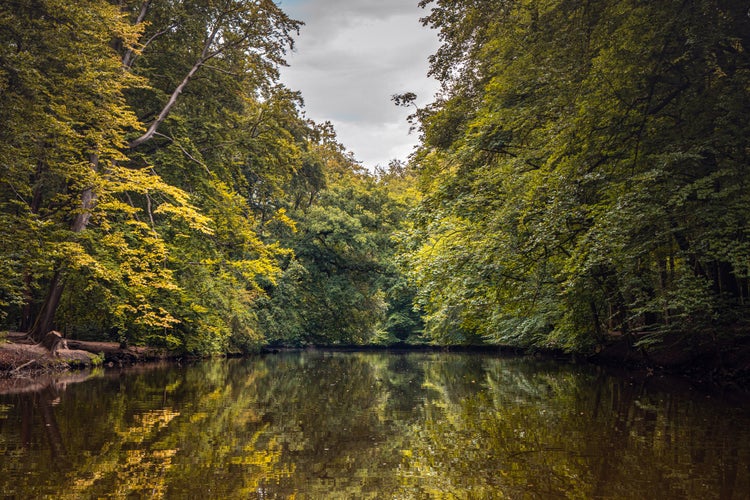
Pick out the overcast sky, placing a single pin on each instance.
(350, 57)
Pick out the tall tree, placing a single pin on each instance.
(114, 113)
(582, 171)
(66, 121)
(243, 39)
(218, 126)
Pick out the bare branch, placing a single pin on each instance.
(150, 213)
(205, 56)
(220, 70)
(167, 107)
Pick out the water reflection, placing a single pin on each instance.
(375, 425)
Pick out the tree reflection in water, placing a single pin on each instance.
(371, 425)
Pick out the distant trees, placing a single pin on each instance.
(342, 283)
(584, 172)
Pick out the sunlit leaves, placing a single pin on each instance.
(161, 244)
(64, 123)
(580, 178)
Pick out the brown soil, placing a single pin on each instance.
(20, 355)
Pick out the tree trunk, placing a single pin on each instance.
(27, 312)
(129, 57)
(45, 321)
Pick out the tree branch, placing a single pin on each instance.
(205, 56)
(167, 107)
(129, 57)
(184, 151)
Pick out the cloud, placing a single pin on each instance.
(351, 56)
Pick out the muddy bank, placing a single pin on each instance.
(721, 364)
(21, 356)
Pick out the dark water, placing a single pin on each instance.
(375, 425)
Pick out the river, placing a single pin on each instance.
(372, 425)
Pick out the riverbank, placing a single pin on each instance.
(725, 366)
(21, 356)
(719, 361)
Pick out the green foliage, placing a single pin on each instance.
(342, 285)
(583, 172)
(160, 187)
(65, 120)
(582, 178)
(159, 244)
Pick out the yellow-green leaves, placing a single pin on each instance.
(583, 163)
(160, 244)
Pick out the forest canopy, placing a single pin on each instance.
(580, 180)
(584, 173)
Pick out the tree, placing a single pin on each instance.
(218, 126)
(342, 284)
(66, 120)
(580, 177)
(105, 166)
(247, 38)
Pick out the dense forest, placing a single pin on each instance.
(580, 180)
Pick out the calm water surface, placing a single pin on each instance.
(373, 425)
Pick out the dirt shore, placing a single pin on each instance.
(21, 356)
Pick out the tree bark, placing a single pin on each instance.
(45, 321)
(129, 57)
